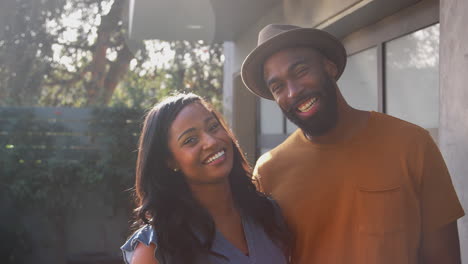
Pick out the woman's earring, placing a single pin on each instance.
(175, 170)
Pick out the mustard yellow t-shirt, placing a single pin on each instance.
(366, 200)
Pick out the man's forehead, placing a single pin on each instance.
(284, 57)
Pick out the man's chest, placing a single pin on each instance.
(339, 205)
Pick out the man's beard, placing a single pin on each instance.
(325, 118)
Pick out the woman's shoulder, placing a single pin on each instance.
(145, 235)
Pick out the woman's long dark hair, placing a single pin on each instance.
(165, 201)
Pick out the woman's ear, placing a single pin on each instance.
(330, 68)
(172, 165)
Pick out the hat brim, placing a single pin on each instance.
(252, 68)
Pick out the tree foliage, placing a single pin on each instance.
(77, 53)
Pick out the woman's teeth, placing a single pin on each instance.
(306, 106)
(215, 156)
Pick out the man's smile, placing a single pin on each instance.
(307, 105)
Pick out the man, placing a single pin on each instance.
(354, 186)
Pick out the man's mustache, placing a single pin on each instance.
(293, 106)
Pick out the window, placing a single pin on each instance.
(271, 117)
(358, 84)
(412, 77)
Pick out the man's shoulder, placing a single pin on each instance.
(389, 125)
(279, 153)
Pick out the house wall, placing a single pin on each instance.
(453, 129)
(313, 13)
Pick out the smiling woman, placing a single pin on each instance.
(201, 148)
(195, 196)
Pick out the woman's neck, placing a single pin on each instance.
(216, 198)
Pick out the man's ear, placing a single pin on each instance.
(330, 68)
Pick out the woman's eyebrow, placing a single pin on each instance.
(186, 132)
(208, 119)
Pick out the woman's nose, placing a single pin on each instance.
(209, 141)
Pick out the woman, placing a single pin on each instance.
(195, 197)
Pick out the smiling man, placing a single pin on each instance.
(354, 186)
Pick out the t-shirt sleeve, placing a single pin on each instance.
(256, 179)
(261, 174)
(144, 235)
(439, 201)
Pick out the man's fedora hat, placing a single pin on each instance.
(273, 38)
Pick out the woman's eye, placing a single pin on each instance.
(214, 126)
(190, 140)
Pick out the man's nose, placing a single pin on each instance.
(293, 89)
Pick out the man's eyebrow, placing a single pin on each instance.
(290, 68)
(271, 81)
(294, 65)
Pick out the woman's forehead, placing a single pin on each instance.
(191, 115)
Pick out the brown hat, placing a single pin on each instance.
(273, 38)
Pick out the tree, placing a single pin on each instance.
(85, 56)
(194, 67)
(25, 49)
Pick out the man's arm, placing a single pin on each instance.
(441, 245)
(440, 209)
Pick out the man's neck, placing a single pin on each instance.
(350, 122)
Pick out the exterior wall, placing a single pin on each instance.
(453, 129)
(313, 13)
(407, 20)
(248, 40)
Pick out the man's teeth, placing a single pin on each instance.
(307, 105)
(215, 156)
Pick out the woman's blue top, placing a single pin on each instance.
(261, 248)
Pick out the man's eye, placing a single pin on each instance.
(301, 70)
(275, 88)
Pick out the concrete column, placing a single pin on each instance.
(245, 119)
(239, 105)
(228, 50)
(453, 132)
